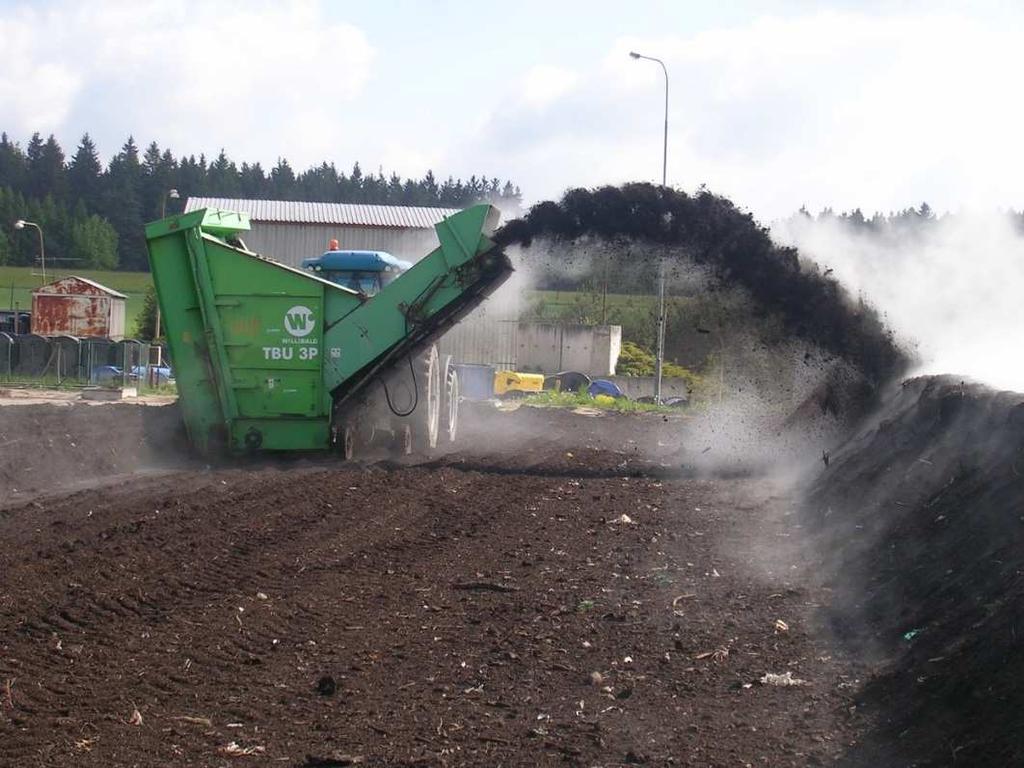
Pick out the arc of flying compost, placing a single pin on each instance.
(713, 232)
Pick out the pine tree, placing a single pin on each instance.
(13, 165)
(429, 185)
(123, 205)
(394, 191)
(52, 171)
(191, 177)
(159, 170)
(145, 325)
(84, 175)
(282, 181)
(320, 183)
(354, 193)
(223, 176)
(34, 162)
(95, 216)
(253, 182)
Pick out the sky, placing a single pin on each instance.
(774, 104)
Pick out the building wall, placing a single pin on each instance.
(79, 315)
(117, 319)
(291, 243)
(482, 339)
(554, 347)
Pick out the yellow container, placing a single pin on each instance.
(513, 381)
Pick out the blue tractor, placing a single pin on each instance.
(429, 380)
(362, 271)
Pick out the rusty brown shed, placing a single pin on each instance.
(77, 306)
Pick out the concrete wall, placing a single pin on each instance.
(492, 336)
(554, 347)
(643, 386)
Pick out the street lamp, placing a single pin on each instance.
(171, 194)
(659, 358)
(664, 153)
(21, 224)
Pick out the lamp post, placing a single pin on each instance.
(659, 358)
(171, 194)
(21, 224)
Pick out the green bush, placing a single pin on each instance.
(634, 360)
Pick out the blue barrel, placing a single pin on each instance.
(476, 382)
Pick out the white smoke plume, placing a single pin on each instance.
(953, 288)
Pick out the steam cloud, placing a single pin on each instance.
(953, 287)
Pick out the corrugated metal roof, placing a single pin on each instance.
(87, 281)
(292, 212)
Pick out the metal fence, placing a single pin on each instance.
(31, 358)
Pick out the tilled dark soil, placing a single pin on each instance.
(478, 610)
(43, 447)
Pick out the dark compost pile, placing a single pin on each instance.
(922, 534)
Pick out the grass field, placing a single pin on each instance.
(17, 284)
(551, 305)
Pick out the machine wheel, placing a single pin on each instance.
(347, 440)
(427, 416)
(450, 401)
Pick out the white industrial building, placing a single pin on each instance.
(290, 231)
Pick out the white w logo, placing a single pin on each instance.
(299, 321)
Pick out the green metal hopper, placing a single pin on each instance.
(269, 357)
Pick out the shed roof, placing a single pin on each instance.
(66, 285)
(294, 212)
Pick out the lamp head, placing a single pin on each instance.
(634, 55)
(173, 194)
(19, 224)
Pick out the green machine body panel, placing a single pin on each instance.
(265, 354)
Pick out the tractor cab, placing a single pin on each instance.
(364, 271)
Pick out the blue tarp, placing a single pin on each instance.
(604, 387)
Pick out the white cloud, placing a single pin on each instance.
(32, 92)
(842, 109)
(258, 78)
(543, 85)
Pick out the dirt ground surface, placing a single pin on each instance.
(557, 592)
(54, 443)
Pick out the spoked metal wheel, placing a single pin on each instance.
(428, 411)
(450, 401)
(347, 440)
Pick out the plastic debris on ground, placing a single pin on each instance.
(783, 680)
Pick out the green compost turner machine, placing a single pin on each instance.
(268, 357)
